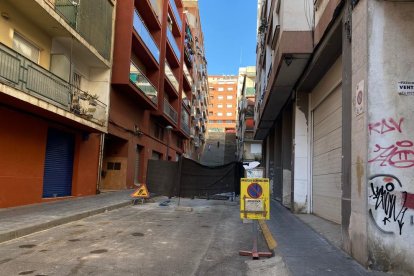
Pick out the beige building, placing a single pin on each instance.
(194, 49)
(248, 149)
(55, 70)
(333, 110)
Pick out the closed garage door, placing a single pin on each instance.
(327, 157)
(57, 179)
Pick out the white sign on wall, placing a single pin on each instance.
(405, 88)
(359, 98)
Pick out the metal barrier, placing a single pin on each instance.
(92, 19)
(144, 85)
(170, 111)
(21, 73)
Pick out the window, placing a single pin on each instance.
(220, 89)
(210, 113)
(219, 113)
(229, 121)
(229, 114)
(220, 97)
(219, 121)
(219, 106)
(26, 48)
(229, 105)
(229, 97)
(229, 88)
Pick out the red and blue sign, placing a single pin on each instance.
(254, 190)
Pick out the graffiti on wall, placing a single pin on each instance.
(385, 125)
(399, 154)
(387, 203)
(387, 199)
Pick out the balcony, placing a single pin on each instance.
(22, 74)
(176, 14)
(170, 111)
(91, 19)
(156, 8)
(145, 35)
(143, 84)
(185, 117)
(188, 75)
(173, 44)
(171, 78)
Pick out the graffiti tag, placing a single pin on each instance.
(388, 203)
(398, 155)
(385, 126)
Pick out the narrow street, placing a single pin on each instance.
(202, 238)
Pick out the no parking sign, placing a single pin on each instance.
(254, 198)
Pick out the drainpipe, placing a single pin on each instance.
(100, 162)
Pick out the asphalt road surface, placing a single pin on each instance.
(144, 239)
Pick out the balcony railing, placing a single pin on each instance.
(187, 75)
(145, 35)
(185, 117)
(156, 8)
(170, 111)
(170, 76)
(139, 80)
(176, 14)
(91, 19)
(173, 43)
(23, 74)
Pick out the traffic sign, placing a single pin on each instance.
(141, 192)
(254, 198)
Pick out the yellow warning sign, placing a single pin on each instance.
(254, 198)
(141, 192)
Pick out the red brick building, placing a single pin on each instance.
(151, 91)
(223, 103)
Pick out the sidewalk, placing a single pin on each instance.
(20, 221)
(305, 252)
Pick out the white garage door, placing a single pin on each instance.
(327, 157)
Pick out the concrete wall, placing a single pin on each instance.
(300, 154)
(358, 219)
(390, 131)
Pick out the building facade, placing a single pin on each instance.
(333, 110)
(248, 149)
(55, 61)
(151, 91)
(199, 101)
(223, 103)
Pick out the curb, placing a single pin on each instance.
(14, 234)
(270, 241)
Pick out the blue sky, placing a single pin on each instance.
(229, 28)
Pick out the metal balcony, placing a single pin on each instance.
(22, 74)
(173, 43)
(176, 14)
(170, 111)
(91, 19)
(142, 83)
(188, 75)
(170, 76)
(145, 35)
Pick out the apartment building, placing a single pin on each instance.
(333, 109)
(151, 90)
(55, 60)
(194, 47)
(223, 103)
(248, 149)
